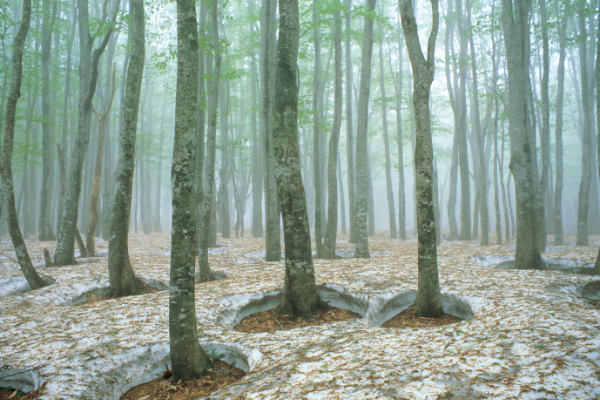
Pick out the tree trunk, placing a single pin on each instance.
(45, 227)
(257, 170)
(34, 280)
(224, 171)
(342, 195)
(349, 135)
(267, 59)
(429, 299)
(88, 76)
(213, 69)
(545, 129)
(332, 167)
(300, 296)
(317, 132)
(515, 18)
(89, 235)
(386, 142)
(362, 240)
(188, 359)
(122, 278)
(586, 142)
(596, 269)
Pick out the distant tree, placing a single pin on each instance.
(8, 194)
(300, 296)
(429, 298)
(122, 278)
(188, 359)
(596, 270)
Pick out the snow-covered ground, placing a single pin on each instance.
(532, 336)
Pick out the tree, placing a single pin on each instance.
(188, 359)
(332, 167)
(596, 269)
(122, 278)
(349, 132)
(88, 78)
(429, 299)
(45, 228)
(8, 194)
(362, 240)
(300, 296)
(515, 25)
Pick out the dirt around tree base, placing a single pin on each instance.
(8, 393)
(144, 289)
(270, 321)
(407, 319)
(221, 374)
(595, 303)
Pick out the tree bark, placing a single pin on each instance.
(188, 359)
(361, 249)
(257, 168)
(317, 132)
(224, 171)
(515, 24)
(596, 269)
(332, 167)
(545, 128)
(300, 296)
(45, 227)
(349, 134)
(88, 76)
(33, 278)
(120, 272)
(429, 300)
(267, 59)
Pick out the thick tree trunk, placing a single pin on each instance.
(45, 227)
(332, 167)
(300, 296)
(429, 299)
(188, 359)
(88, 76)
(122, 278)
(399, 139)
(267, 59)
(515, 18)
(8, 194)
(362, 240)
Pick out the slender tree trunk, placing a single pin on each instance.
(386, 142)
(545, 129)
(88, 76)
(224, 171)
(34, 280)
(596, 269)
(300, 296)
(586, 142)
(257, 167)
(267, 59)
(89, 235)
(349, 130)
(188, 359)
(122, 278)
(342, 195)
(429, 300)
(45, 227)
(515, 24)
(317, 132)
(201, 134)
(213, 68)
(332, 167)
(362, 240)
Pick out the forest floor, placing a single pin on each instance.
(533, 335)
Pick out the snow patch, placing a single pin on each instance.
(17, 285)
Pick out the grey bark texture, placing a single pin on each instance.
(45, 227)
(8, 194)
(361, 249)
(300, 296)
(596, 269)
(515, 25)
(122, 278)
(332, 166)
(317, 184)
(429, 299)
(188, 359)
(349, 122)
(257, 168)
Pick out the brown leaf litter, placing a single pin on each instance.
(408, 319)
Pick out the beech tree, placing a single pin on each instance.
(300, 296)
(8, 194)
(188, 359)
(122, 278)
(429, 299)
